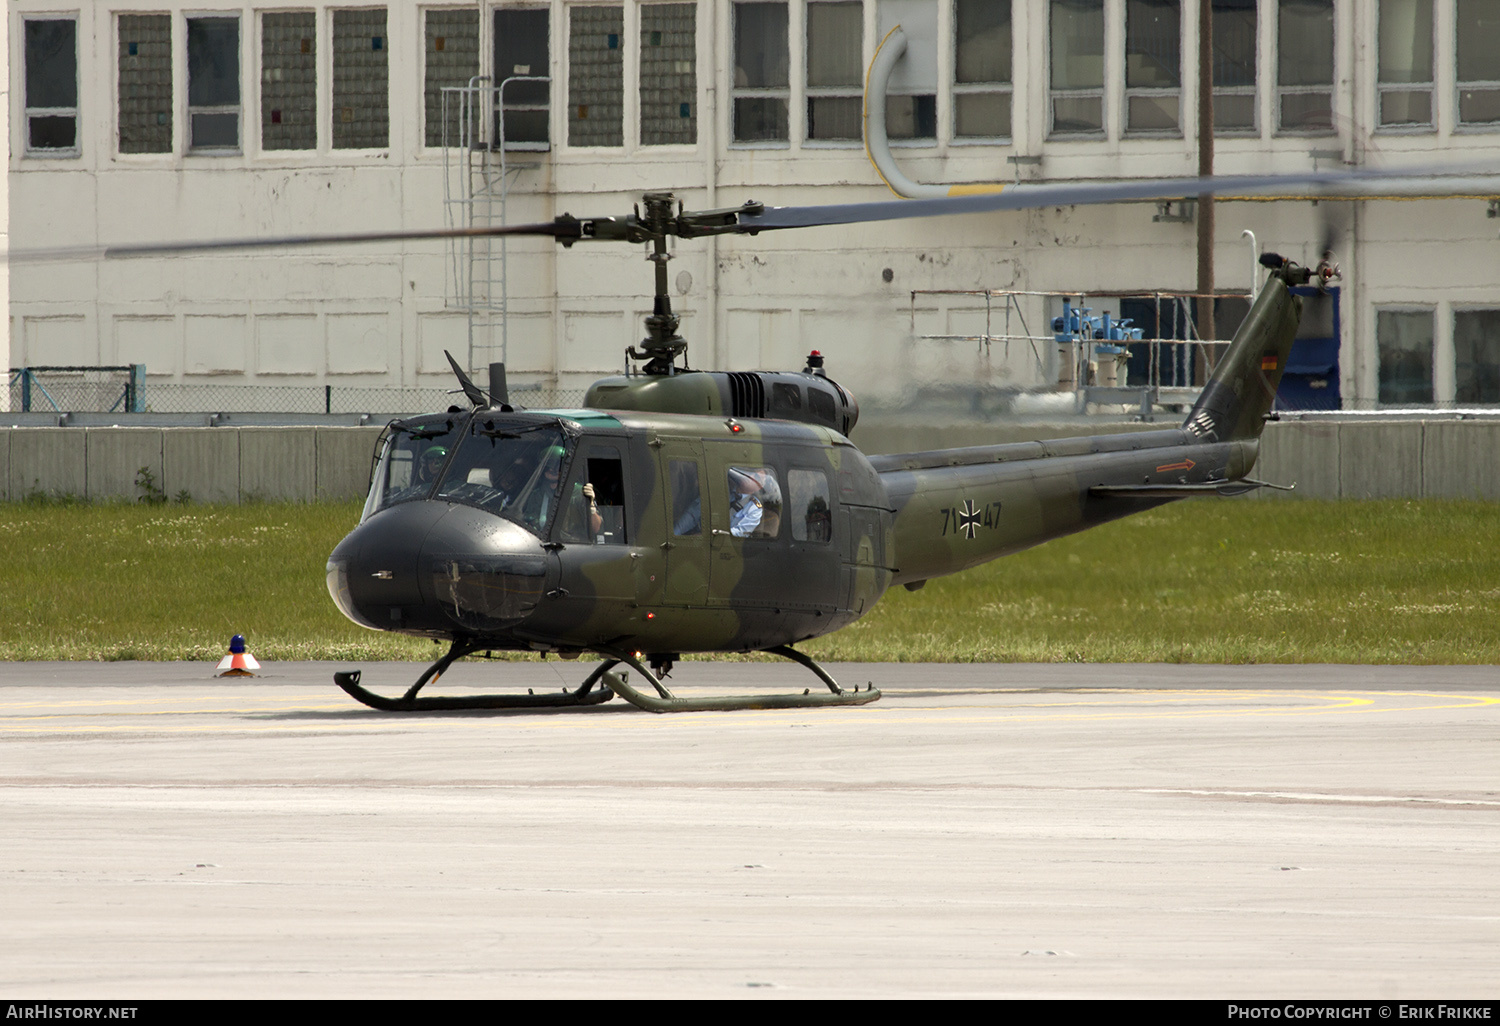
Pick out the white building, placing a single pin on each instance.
(141, 120)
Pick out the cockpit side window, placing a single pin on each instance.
(413, 460)
(509, 468)
(595, 510)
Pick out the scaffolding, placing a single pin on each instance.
(477, 175)
(1070, 357)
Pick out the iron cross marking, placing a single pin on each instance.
(968, 519)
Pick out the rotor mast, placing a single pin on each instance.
(662, 345)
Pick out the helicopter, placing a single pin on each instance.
(705, 511)
(690, 511)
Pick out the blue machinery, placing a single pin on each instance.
(1146, 355)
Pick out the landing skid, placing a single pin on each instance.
(410, 702)
(664, 701)
(610, 684)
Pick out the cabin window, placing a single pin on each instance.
(822, 405)
(687, 498)
(754, 502)
(810, 509)
(145, 83)
(52, 87)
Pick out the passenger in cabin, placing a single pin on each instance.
(745, 505)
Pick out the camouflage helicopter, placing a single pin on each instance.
(688, 511)
(702, 511)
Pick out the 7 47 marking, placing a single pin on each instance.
(969, 519)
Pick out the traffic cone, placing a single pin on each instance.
(238, 663)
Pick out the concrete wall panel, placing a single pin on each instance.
(49, 460)
(1461, 460)
(277, 464)
(1351, 460)
(116, 457)
(344, 462)
(203, 461)
(1306, 455)
(1380, 460)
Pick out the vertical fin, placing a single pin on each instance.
(1238, 396)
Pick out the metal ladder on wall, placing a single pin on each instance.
(477, 175)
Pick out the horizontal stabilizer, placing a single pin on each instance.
(1184, 491)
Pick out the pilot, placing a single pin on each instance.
(745, 506)
(541, 504)
(431, 464)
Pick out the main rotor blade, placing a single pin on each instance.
(1026, 196)
(157, 249)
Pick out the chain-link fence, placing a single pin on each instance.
(65, 389)
(106, 390)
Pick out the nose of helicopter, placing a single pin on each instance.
(428, 567)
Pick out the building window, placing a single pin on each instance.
(911, 92)
(52, 87)
(1405, 65)
(1077, 76)
(522, 51)
(452, 59)
(1153, 66)
(288, 81)
(1405, 342)
(761, 91)
(213, 83)
(1304, 66)
(1234, 66)
(145, 83)
(361, 80)
(1478, 65)
(1476, 356)
(981, 69)
(835, 59)
(669, 77)
(596, 76)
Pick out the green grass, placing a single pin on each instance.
(1199, 581)
(1218, 581)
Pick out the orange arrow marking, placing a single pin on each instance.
(1184, 465)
